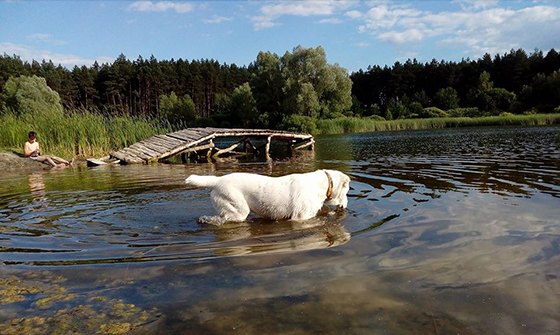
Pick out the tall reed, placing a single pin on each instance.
(76, 134)
(354, 124)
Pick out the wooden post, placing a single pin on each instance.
(267, 148)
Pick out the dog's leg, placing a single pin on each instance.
(231, 206)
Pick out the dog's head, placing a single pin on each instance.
(340, 187)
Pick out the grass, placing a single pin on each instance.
(355, 125)
(77, 134)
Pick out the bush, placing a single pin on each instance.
(29, 95)
(431, 112)
(299, 123)
(465, 112)
(376, 118)
(447, 98)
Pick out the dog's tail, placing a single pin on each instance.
(201, 181)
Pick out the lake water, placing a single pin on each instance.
(447, 232)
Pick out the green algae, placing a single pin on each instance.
(54, 310)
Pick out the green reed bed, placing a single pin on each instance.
(354, 125)
(76, 134)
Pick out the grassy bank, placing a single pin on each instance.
(79, 134)
(355, 125)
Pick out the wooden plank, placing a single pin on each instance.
(201, 140)
(157, 148)
(176, 150)
(226, 150)
(138, 146)
(170, 140)
(161, 143)
(189, 133)
(184, 137)
(304, 145)
(126, 158)
(199, 148)
(173, 140)
(137, 153)
(98, 162)
(131, 156)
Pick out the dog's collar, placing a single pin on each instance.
(330, 187)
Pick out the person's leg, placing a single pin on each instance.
(60, 160)
(46, 159)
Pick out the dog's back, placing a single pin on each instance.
(202, 181)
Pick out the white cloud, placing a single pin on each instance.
(354, 14)
(331, 20)
(476, 4)
(301, 8)
(270, 12)
(263, 22)
(161, 6)
(217, 19)
(407, 36)
(480, 26)
(45, 38)
(29, 54)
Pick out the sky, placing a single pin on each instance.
(354, 34)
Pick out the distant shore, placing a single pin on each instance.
(364, 124)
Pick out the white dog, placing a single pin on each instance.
(296, 196)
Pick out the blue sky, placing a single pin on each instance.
(354, 34)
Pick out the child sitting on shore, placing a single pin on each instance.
(31, 149)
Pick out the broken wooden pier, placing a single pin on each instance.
(201, 141)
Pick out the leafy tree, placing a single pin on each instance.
(309, 81)
(179, 111)
(446, 98)
(243, 107)
(267, 83)
(415, 109)
(30, 95)
(396, 109)
(490, 99)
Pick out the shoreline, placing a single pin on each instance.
(348, 125)
(11, 161)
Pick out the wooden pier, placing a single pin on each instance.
(201, 141)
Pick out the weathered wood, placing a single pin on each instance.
(161, 143)
(137, 153)
(170, 140)
(184, 137)
(199, 148)
(196, 139)
(126, 157)
(304, 145)
(145, 149)
(156, 148)
(226, 150)
(101, 161)
(267, 147)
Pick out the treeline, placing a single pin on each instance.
(127, 87)
(299, 86)
(514, 82)
(201, 92)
